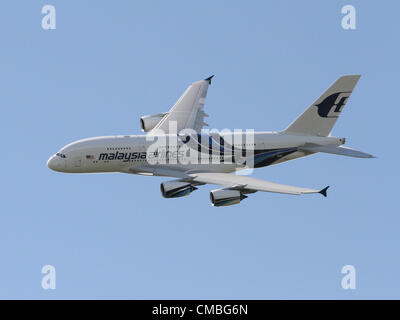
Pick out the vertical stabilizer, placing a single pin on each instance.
(321, 116)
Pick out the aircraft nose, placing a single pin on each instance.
(56, 164)
(51, 163)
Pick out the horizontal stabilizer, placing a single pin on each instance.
(342, 151)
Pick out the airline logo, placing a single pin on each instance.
(129, 156)
(125, 156)
(332, 105)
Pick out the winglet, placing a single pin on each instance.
(209, 79)
(323, 191)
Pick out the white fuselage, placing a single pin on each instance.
(130, 153)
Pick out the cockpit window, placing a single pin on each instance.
(61, 155)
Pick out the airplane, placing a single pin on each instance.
(215, 157)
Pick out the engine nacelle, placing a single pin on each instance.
(226, 197)
(147, 123)
(176, 189)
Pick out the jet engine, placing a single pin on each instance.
(226, 197)
(176, 189)
(147, 123)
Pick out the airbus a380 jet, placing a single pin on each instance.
(214, 157)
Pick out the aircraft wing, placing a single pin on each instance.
(249, 184)
(188, 112)
(231, 181)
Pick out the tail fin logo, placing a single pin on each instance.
(332, 105)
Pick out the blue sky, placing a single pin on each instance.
(113, 235)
